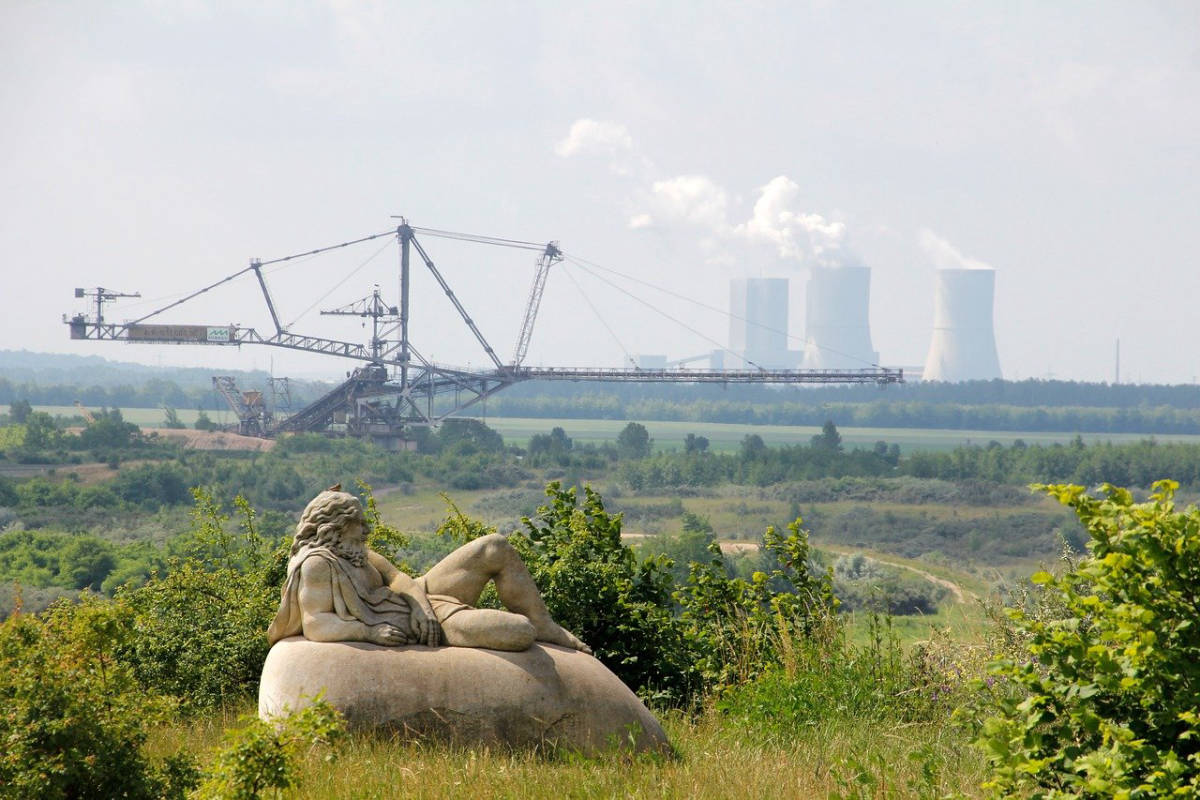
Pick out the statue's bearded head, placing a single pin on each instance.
(325, 521)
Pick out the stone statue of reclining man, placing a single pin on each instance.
(339, 590)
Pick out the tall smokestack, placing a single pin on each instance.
(964, 342)
(837, 329)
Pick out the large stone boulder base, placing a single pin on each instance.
(546, 695)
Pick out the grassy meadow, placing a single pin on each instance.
(714, 757)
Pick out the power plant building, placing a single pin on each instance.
(837, 326)
(963, 347)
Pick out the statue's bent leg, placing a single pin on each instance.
(465, 572)
(489, 627)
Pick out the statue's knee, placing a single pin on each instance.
(522, 633)
(495, 546)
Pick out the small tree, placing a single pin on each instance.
(695, 444)
(204, 422)
(19, 410)
(828, 439)
(1107, 690)
(171, 418)
(634, 441)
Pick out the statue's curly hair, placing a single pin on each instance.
(325, 517)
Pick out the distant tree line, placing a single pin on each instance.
(146, 393)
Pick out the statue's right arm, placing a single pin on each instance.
(321, 623)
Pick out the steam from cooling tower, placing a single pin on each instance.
(778, 220)
(963, 346)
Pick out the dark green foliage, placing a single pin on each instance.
(597, 588)
(109, 431)
(469, 436)
(691, 544)
(1103, 696)
(8, 493)
(633, 441)
(741, 628)
(74, 719)
(828, 438)
(171, 418)
(204, 422)
(729, 629)
(41, 432)
(552, 448)
(201, 626)
(863, 584)
(19, 411)
(695, 444)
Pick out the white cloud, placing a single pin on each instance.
(638, 221)
(945, 255)
(595, 136)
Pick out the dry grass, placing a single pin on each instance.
(715, 758)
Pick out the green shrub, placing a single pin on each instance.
(200, 627)
(73, 717)
(261, 756)
(596, 587)
(1105, 700)
(740, 628)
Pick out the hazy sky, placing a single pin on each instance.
(157, 146)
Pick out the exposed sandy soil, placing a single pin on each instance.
(212, 440)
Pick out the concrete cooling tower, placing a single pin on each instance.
(837, 332)
(759, 322)
(964, 342)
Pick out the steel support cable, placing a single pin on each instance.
(480, 239)
(319, 250)
(196, 293)
(596, 311)
(241, 272)
(730, 314)
(338, 285)
(681, 323)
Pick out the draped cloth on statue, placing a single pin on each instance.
(352, 598)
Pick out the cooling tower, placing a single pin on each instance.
(964, 343)
(837, 332)
(759, 322)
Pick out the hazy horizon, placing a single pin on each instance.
(158, 146)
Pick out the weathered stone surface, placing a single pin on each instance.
(544, 695)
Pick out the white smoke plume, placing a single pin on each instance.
(945, 255)
(778, 220)
(697, 201)
(688, 199)
(603, 138)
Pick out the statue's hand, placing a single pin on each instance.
(387, 635)
(425, 627)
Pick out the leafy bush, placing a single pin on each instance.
(1105, 701)
(74, 718)
(200, 626)
(261, 756)
(596, 587)
(740, 628)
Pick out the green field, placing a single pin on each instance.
(726, 437)
(722, 437)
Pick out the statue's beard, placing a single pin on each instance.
(356, 553)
